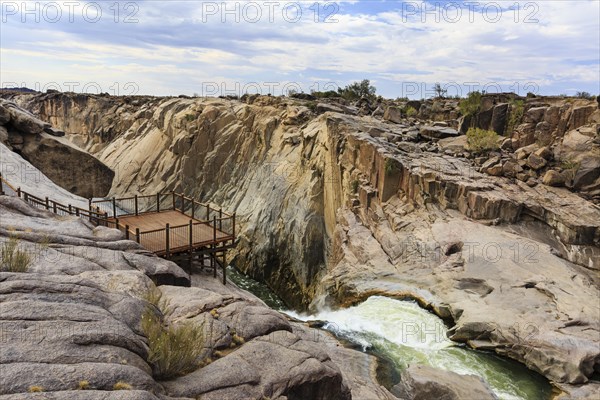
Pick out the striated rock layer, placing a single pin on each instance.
(73, 321)
(337, 205)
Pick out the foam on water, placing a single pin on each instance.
(408, 334)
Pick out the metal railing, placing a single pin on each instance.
(207, 225)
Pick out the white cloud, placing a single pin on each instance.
(171, 48)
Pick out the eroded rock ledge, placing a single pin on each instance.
(337, 203)
(75, 316)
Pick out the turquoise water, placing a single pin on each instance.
(406, 334)
(403, 333)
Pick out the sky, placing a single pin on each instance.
(211, 48)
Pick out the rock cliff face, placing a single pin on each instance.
(40, 144)
(71, 325)
(339, 203)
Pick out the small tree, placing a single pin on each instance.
(440, 92)
(357, 90)
(481, 140)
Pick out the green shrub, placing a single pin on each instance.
(13, 259)
(357, 90)
(470, 105)
(190, 117)
(410, 111)
(390, 166)
(517, 108)
(481, 140)
(173, 350)
(355, 184)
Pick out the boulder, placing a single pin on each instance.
(534, 115)
(554, 178)
(326, 107)
(544, 152)
(393, 114)
(511, 168)
(453, 144)
(25, 122)
(67, 166)
(419, 382)
(536, 162)
(438, 132)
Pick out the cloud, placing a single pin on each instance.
(177, 46)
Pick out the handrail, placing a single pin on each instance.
(215, 218)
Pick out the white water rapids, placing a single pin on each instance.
(404, 333)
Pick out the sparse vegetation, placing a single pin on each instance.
(173, 350)
(410, 111)
(354, 185)
(481, 140)
(470, 105)
(83, 385)
(584, 95)
(357, 90)
(440, 92)
(517, 108)
(325, 95)
(237, 339)
(190, 117)
(35, 389)
(122, 386)
(13, 259)
(312, 106)
(390, 166)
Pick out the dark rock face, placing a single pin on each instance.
(72, 169)
(67, 166)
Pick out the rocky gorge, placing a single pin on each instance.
(338, 202)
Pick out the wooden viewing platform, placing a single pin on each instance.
(170, 225)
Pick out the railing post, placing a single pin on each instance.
(114, 207)
(54, 207)
(157, 202)
(207, 212)
(47, 203)
(193, 207)
(191, 235)
(26, 196)
(117, 223)
(77, 211)
(19, 191)
(136, 204)
(167, 239)
(215, 228)
(221, 219)
(1, 186)
(127, 232)
(233, 233)
(90, 204)
(137, 235)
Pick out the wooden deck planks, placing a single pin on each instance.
(179, 238)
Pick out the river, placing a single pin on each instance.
(404, 333)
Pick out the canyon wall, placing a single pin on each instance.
(337, 202)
